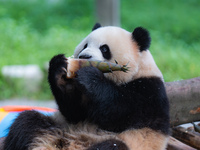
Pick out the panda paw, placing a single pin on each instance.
(58, 72)
(89, 77)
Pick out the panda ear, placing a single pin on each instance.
(96, 26)
(142, 37)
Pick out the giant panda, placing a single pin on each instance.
(101, 111)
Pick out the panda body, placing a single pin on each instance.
(124, 111)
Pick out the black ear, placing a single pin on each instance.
(96, 26)
(142, 37)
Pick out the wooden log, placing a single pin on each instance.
(174, 144)
(188, 137)
(184, 99)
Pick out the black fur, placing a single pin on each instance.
(67, 96)
(27, 125)
(96, 26)
(105, 50)
(140, 103)
(109, 145)
(142, 37)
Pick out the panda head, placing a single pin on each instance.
(111, 44)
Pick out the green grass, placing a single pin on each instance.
(21, 45)
(176, 59)
(32, 31)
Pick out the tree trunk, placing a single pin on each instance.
(108, 12)
(175, 144)
(184, 99)
(188, 137)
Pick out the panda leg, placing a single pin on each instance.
(111, 144)
(26, 126)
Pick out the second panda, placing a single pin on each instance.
(105, 111)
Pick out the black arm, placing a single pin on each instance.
(67, 96)
(137, 104)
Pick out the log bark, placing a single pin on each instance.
(184, 99)
(188, 137)
(174, 144)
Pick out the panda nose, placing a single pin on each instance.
(85, 57)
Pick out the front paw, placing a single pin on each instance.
(57, 61)
(89, 77)
(58, 73)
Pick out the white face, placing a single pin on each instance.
(94, 45)
(113, 43)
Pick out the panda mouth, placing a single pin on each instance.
(85, 56)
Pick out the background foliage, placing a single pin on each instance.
(32, 31)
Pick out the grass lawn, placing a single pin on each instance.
(31, 32)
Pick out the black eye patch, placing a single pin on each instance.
(105, 50)
(85, 46)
